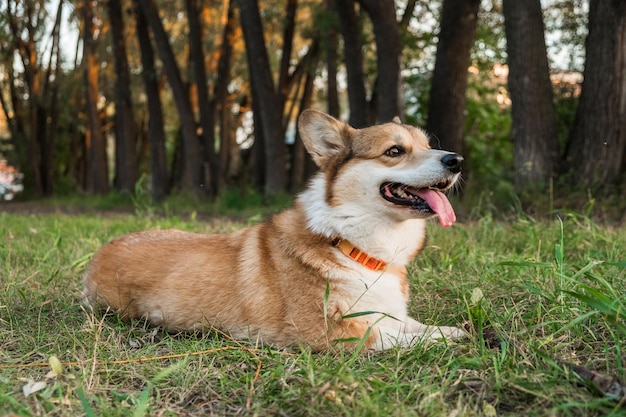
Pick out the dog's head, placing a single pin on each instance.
(390, 166)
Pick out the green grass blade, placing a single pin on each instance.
(526, 264)
(141, 407)
(325, 304)
(359, 314)
(612, 309)
(84, 402)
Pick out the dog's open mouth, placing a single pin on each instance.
(428, 200)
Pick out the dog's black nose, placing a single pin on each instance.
(453, 161)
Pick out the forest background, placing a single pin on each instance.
(200, 97)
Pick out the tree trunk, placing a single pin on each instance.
(597, 143)
(446, 108)
(265, 100)
(353, 57)
(533, 129)
(259, 160)
(207, 112)
(330, 43)
(34, 132)
(285, 61)
(98, 175)
(126, 171)
(407, 15)
(51, 93)
(299, 172)
(220, 96)
(158, 157)
(307, 63)
(191, 178)
(388, 48)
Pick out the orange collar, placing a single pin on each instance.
(361, 257)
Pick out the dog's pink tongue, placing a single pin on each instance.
(439, 203)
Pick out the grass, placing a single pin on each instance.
(538, 294)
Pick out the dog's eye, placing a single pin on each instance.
(395, 151)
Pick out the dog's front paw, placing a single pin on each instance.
(448, 332)
(422, 331)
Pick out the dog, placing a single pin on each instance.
(329, 271)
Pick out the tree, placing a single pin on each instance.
(534, 129)
(285, 59)
(385, 103)
(301, 165)
(158, 157)
(596, 150)
(330, 40)
(213, 79)
(446, 109)
(407, 14)
(382, 13)
(264, 99)
(126, 173)
(33, 121)
(353, 58)
(95, 144)
(192, 179)
(207, 112)
(228, 149)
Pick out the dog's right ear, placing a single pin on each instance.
(323, 136)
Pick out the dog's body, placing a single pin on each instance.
(303, 276)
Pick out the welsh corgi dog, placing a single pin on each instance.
(331, 270)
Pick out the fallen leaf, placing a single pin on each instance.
(33, 386)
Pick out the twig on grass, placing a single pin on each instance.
(607, 385)
(95, 363)
(124, 361)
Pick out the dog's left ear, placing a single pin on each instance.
(323, 136)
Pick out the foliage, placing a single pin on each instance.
(565, 103)
(416, 94)
(490, 44)
(530, 285)
(565, 22)
(487, 126)
(489, 158)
